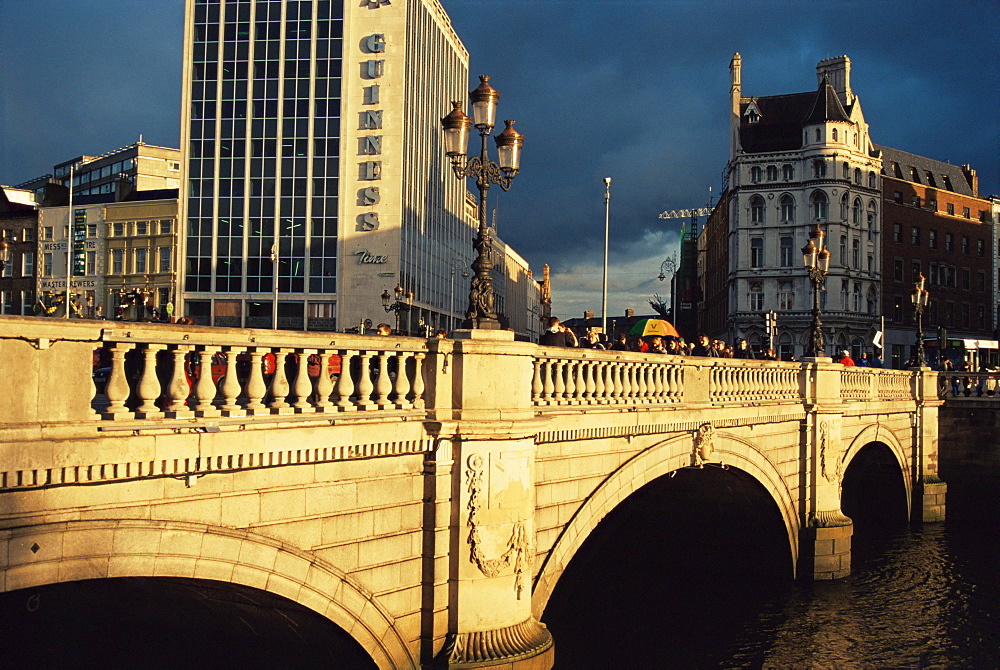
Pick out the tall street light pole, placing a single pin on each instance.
(604, 294)
(817, 259)
(456, 126)
(404, 300)
(920, 297)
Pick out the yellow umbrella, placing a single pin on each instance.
(644, 327)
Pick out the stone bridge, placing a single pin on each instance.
(424, 496)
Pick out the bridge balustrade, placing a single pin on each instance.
(984, 386)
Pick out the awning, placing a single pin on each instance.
(981, 344)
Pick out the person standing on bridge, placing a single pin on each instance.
(557, 335)
(846, 358)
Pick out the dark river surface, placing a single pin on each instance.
(690, 585)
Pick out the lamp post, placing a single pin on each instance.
(404, 300)
(456, 126)
(4, 254)
(817, 259)
(455, 266)
(920, 297)
(604, 291)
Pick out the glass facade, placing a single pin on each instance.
(264, 146)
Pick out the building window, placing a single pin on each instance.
(819, 167)
(897, 269)
(897, 310)
(966, 280)
(46, 265)
(757, 209)
(834, 134)
(787, 209)
(164, 259)
(856, 212)
(949, 241)
(966, 213)
(786, 252)
(872, 301)
(897, 196)
(980, 248)
(980, 280)
(118, 229)
(91, 268)
(965, 315)
(786, 296)
(871, 261)
(166, 226)
(857, 298)
(843, 207)
(965, 245)
(756, 298)
(28, 264)
(141, 227)
(140, 261)
(843, 250)
(787, 172)
(932, 239)
(847, 170)
(117, 261)
(933, 274)
(757, 252)
(856, 253)
(951, 208)
(91, 230)
(755, 174)
(915, 236)
(914, 270)
(772, 173)
(46, 233)
(872, 180)
(897, 232)
(857, 176)
(820, 205)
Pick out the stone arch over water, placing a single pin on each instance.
(877, 434)
(84, 550)
(656, 461)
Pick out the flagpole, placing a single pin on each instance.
(69, 242)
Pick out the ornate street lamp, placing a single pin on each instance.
(817, 259)
(920, 297)
(4, 254)
(403, 302)
(509, 142)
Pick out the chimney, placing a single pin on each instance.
(735, 91)
(838, 69)
(588, 315)
(970, 176)
(629, 313)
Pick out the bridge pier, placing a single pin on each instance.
(491, 532)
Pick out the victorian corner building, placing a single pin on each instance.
(806, 159)
(315, 168)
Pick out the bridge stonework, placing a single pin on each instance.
(425, 496)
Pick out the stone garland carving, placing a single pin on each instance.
(518, 547)
(824, 439)
(704, 445)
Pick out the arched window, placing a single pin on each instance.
(785, 351)
(857, 298)
(872, 180)
(857, 176)
(843, 207)
(818, 137)
(786, 295)
(847, 170)
(756, 297)
(843, 294)
(872, 219)
(787, 172)
(856, 253)
(843, 249)
(820, 205)
(834, 134)
(772, 173)
(757, 209)
(755, 174)
(819, 167)
(787, 209)
(856, 212)
(787, 251)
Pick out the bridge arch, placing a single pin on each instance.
(80, 550)
(656, 461)
(880, 434)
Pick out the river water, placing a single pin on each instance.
(918, 597)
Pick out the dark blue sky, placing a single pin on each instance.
(632, 89)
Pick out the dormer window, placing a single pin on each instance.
(834, 134)
(752, 114)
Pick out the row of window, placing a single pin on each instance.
(944, 315)
(819, 206)
(786, 297)
(105, 171)
(770, 173)
(941, 274)
(932, 204)
(933, 240)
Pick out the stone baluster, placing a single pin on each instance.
(383, 384)
(204, 388)
(609, 382)
(117, 388)
(536, 382)
(302, 388)
(640, 382)
(178, 388)
(559, 392)
(597, 369)
(345, 384)
(571, 382)
(401, 389)
(619, 388)
(323, 387)
(631, 386)
(231, 385)
(548, 384)
(582, 372)
(365, 384)
(418, 380)
(256, 388)
(279, 385)
(658, 387)
(742, 387)
(148, 388)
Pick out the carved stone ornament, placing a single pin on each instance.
(830, 519)
(519, 548)
(824, 440)
(523, 640)
(704, 446)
